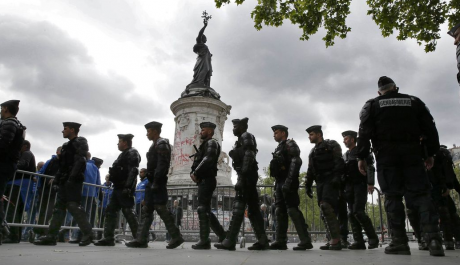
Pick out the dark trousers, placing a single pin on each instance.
(250, 197)
(205, 190)
(326, 192)
(68, 198)
(7, 171)
(356, 196)
(89, 205)
(207, 218)
(401, 173)
(138, 209)
(342, 216)
(289, 199)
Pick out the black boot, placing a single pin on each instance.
(142, 236)
(216, 227)
(235, 224)
(57, 219)
(281, 229)
(366, 224)
(110, 224)
(203, 217)
(333, 225)
(434, 242)
(4, 230)
(357, 245)
(357, 233)
(398, 245)
(80, 217)
(173, 230)
(301, 228)
(48, 240)
(257, 223)
(131, 218)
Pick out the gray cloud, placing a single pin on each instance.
(45, 63)
(269, 76)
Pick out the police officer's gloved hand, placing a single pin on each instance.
(309, 192)
(287, 185)
(335, 182)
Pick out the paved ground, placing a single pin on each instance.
(156, 254)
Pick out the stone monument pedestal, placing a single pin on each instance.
(189, 112)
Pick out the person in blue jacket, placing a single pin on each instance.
(141, 186)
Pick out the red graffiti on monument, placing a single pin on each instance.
(182, 147)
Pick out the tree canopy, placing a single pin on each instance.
(414, 19)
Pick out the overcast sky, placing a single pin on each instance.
(115, 65)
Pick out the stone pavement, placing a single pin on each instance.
(157, 254)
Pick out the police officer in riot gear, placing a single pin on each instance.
(69, 183)
(442, 178)
(326, 167)
(356, 188)
(156, 193)
(12, 134)
(244, 162)
(204, 172)
(394, 123)
(285, 167)
(123, 175)
(455, 33)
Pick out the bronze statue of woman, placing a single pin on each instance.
(203, 68)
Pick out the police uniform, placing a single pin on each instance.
(326, 167)
(205, 170)
(395, 123)
(123, 175)
(356, 196)
(285, 168)
(244, 162)
(442, 177)
(12, 134)
(156, 193)
(69, 181)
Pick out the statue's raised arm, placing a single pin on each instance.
(200, 37)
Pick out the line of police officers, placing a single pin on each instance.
(404, 141)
